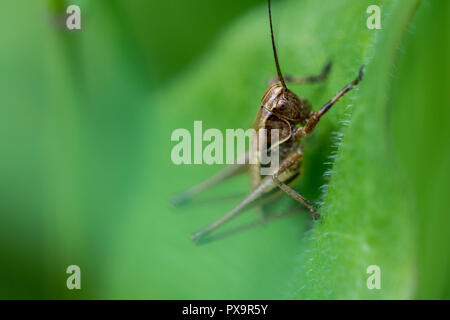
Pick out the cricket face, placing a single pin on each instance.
(285, 104)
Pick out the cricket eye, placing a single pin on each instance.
(282, 104)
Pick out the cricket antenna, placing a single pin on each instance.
(280, 75)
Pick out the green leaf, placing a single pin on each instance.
(84, 183)
(370, 210)
(385, 203)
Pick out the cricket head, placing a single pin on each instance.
(285, 104)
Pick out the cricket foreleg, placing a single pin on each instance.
(291, 163)
(228, 172)
(295, 195)
(316, 115)
(306, 79)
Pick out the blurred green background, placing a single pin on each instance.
(86, 177)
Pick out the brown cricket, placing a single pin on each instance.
(292, 115)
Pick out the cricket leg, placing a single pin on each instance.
(261, 221)
(310, 79)
(228, 172)
(316, 115)
(306, 79)
(291, 163)
(288, 168)
(297, 196)
(240, 208)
